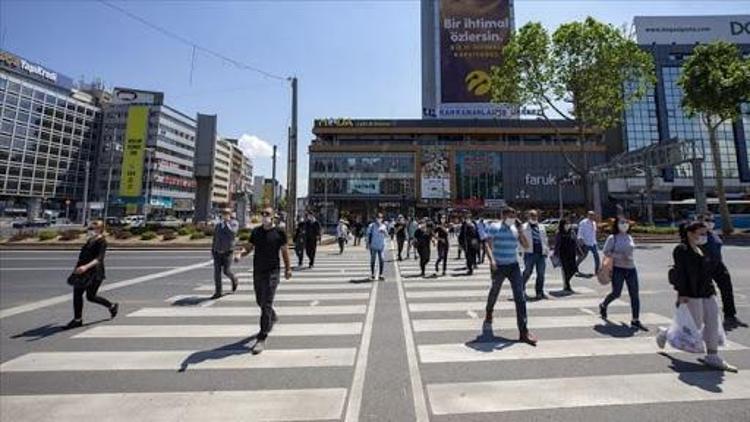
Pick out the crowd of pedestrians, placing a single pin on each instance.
(697, 268)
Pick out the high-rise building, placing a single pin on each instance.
(164, 160)
(659, 115)
(48, 134)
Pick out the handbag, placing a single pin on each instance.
(555, 260)
(80, 281)
(605, 272)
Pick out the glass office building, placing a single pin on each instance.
(659, 115)
(48, 132)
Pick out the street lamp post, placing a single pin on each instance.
(109, 175)
(147, 203)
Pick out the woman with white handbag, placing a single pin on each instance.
(691, 277)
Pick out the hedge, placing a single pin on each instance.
(17, 237)
(148, 235)
(72, 234)
(47, 234)
(197, 236)
(169, 236)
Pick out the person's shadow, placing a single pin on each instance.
(620, 330)
(191, 301)
(696, 375)
(49, 330)
(487, 342)
(360, 280)
(237, 348)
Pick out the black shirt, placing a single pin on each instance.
(312, 231)
(442, 235)
(95, 248)
(267, 244)
(693, 272)
(422, 237)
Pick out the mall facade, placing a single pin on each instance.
(422, 167)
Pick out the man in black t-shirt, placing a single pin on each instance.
(312, 237)
(267, 240)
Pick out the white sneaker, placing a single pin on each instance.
(715, 361)
(661, 338)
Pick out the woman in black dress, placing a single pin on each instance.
(565, 250)
(91, 265)
(441, 234)
(422, 239)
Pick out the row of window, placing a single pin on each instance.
(338, 186)
(365, 163)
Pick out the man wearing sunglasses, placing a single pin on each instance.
(267, 240)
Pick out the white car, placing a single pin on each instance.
(134, 220)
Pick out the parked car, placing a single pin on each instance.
(36, 222)
(134, 220)
(115, 222)
(168, 222)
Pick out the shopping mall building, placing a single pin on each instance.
(359, 167)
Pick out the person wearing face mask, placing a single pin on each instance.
(620, 247)
(376, 234)
(299, 242)
(471, 242)
(411, 228)
(692, 280)
(312, 237)
(222, 248)
(422, 238)
(91, 265)
(566, 247)
(535, 256)
(720, 273)
(342, 234)
(400, 229)
(502, 240)
(441, 235)
(268, 241)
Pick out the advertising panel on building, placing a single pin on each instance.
(469, 36)
(686, 30)
(435, 174)
(133, 151)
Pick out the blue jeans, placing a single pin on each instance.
(513, 273)
(373, 254)
(531, 260)
(629, 276)
(594, 250)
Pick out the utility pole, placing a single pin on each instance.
(109, 176)
(273, 180)
(291, 167)
(147, 203)
(86, 194)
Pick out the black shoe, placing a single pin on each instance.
(75, 323)
(636, 324)
(733, 322)
(602, 311)
(216, 296)
(443, 273)
(260, 345)
(113, 310)
(541, 296)
(470, 272)
(234, 285)
(381, 278)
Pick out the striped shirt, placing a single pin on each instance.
(504, 243)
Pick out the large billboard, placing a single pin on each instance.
(468, 39)
(688, 30)
(28, 68)
(435, 173)
(133, 151)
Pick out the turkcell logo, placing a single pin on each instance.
(739, 28)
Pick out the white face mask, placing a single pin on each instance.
(379, 220)
(266, 221)
(91, 233)
(702, 240)
(624, 227)
(533, 221)
(566, 227)
(510, 221)
(710, 225)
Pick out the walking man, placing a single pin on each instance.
(312, 237)
(720, 273)
(535, 256)
(441, 235)
(587, 237)
(400, 235)
(299, 242)
(470, 236)
(502, 243)
(377, 231)
(342, 235)
(411, 229)
(222, 248)
(268, 240)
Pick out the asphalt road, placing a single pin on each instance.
(346, 348)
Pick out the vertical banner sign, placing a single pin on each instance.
(134, 148)
(435, 173)
(472, 35)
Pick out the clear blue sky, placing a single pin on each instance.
(358, 59)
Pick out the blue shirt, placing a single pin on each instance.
(536, 238)
(504, 243)
(376, 234)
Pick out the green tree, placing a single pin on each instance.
(716, 80)
(594, 67)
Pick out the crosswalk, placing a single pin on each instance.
(316, 304)
(466, 368)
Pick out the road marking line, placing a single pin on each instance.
(212, 331)
(138, 267)
(280, 297)
(285, 286)
(504, 350)
(199, 406)
(354, 403)
(435, 294)
(504, 304)
(105, 288)
(420, 402)
(464, 324)
(610, 390)
(178, 359)
(587, 311)
(228, 311)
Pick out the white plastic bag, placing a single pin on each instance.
(684, 333)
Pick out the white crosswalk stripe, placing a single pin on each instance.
(245, 311)
(206, 331)
(283, 287)
(450, 333)
(281, 297)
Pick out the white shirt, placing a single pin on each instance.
(587, 231)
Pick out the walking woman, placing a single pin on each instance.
(90, 266)
(299, 242)
(441, 235)
(620, 247)
(422, 238)
(565, 249)
(692, 280)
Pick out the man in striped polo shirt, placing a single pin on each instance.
(501, 241)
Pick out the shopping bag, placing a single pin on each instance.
(684, 334)
(605, 272)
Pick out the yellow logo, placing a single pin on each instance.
(478, 82)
